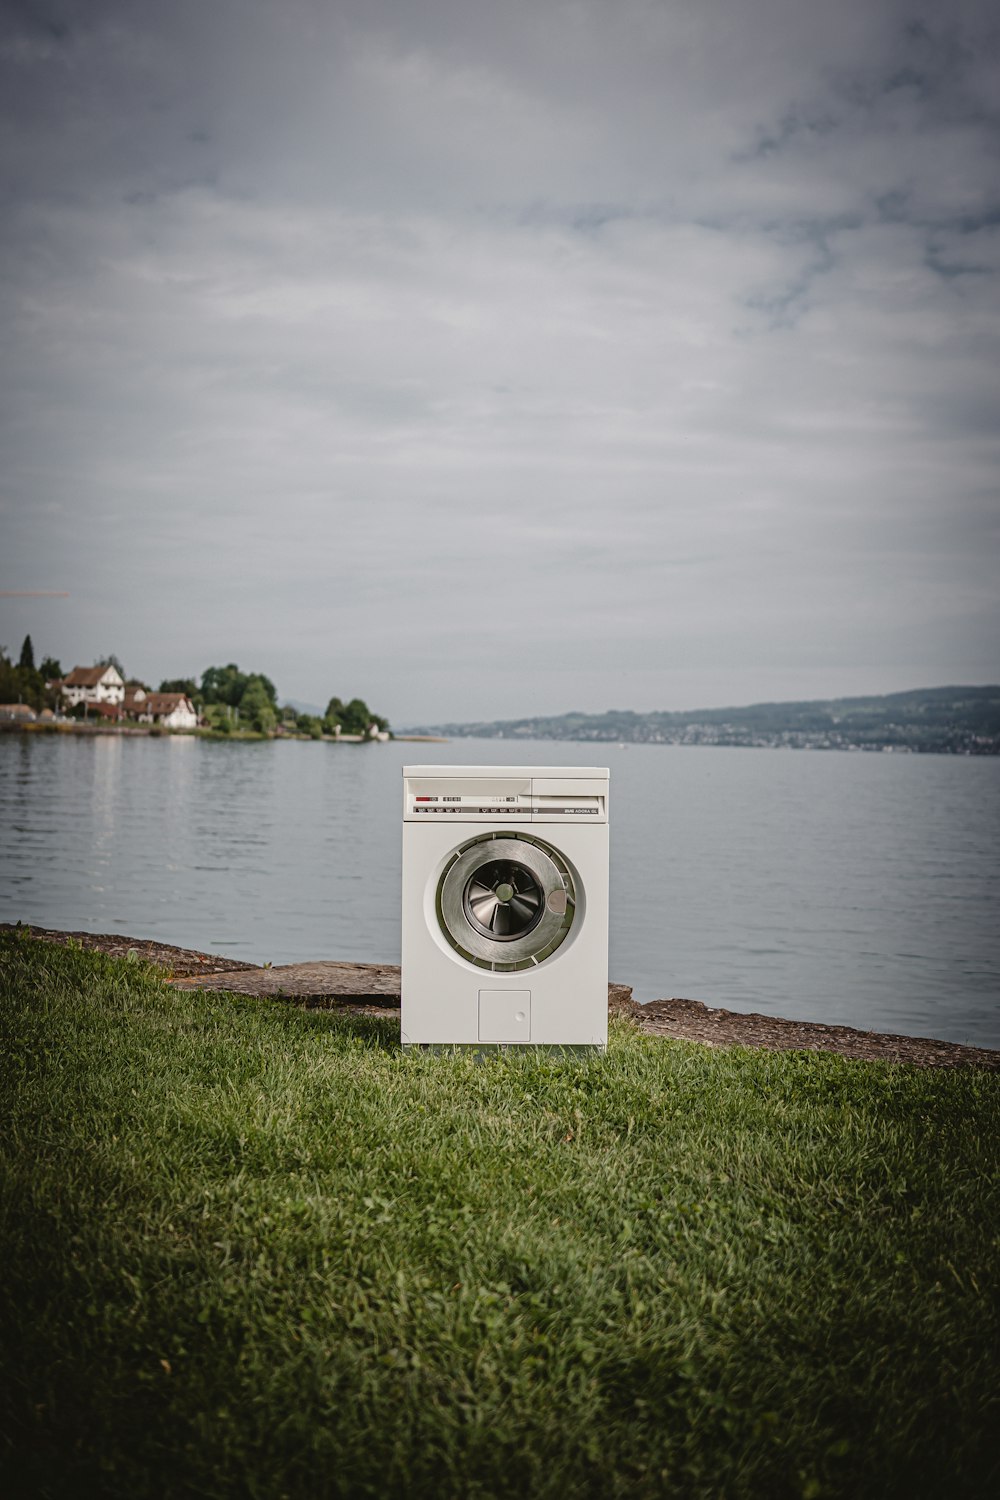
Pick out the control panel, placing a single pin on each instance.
(535, 799)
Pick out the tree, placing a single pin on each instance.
(256, 706)
(223, 684)
(228, 685)
(218, 716)
(20, 684)
(27, 660)
(357, 717)
(10, 681)
(268, 687)
(257, 682)
(353, 718)
(50, 669)
(186, 685)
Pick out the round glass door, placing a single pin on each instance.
(506, 901)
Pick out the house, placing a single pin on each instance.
(172, 710)
(93, 685)
(135, 697)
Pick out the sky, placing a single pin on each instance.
(484, 358)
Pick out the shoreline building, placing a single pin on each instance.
(93, 685)
(171, 710)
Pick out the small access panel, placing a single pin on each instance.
(505, 1015)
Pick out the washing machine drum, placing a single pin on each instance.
(506, 901)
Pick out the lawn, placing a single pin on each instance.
(250, 1250)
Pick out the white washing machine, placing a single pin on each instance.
(505, 906)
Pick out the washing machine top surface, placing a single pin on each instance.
(520, 773)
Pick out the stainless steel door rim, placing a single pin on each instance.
(506, 901)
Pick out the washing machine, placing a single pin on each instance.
(505, 906)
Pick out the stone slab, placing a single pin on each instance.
(322, 979)
(325, 980)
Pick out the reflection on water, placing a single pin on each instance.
(857, 889)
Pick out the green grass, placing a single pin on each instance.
(251, 1250)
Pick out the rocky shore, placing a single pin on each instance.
(373, 989)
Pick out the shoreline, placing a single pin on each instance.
(158, 731)
(373, 989)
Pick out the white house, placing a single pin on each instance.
(172, 710)
(93, 685)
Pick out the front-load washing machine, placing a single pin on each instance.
(505, 906)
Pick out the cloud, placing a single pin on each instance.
(635, 342)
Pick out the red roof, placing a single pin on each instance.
(163, 703)
(86, 676)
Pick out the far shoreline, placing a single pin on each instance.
(157, 731)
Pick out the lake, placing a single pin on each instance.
(859, 889)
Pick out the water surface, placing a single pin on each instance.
(859, 889)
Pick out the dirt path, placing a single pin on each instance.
(696, 1022)
(373, 989)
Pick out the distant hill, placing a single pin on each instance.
(944, 720)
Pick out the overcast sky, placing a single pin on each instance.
(485, 358)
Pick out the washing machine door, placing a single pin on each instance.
(506, 901)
